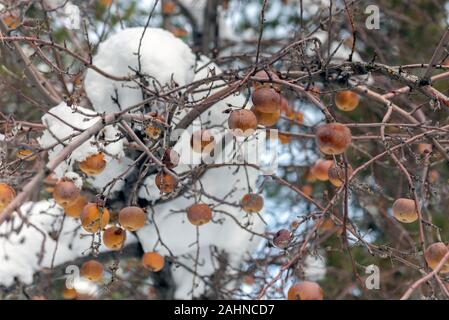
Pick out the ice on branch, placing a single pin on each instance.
(64, 123)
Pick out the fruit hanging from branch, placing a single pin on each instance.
(132, 218)
(282, 238)
(252, 203)
(202, 141)
(155, 126)
(153, 261)
(26, 154)
(337, 174)
(242, 122)
(69, 293)
(165, 182)
(93, 165)
(168, 7)
(65, 192)
(266, 100)
(305, 290)
(75, 208)
(94, 218)
(333, 138)
(199, 214)
(267, 119)
(7, 195)
(268, 78)
(346, 100)
(114, 238)
(92, 270)
(404, 210)
(284, 138)
(320, 169)
(434, 254)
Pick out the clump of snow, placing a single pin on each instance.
(63, 123)
(163, 57)
(76, 178)
(64, 13)
(20, 252)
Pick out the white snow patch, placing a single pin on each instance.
(64, 123)
(163, 57)
(315, 267)
(76, 178)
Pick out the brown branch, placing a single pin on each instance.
(427, 277)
